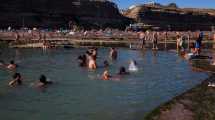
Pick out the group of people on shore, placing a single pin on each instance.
(17, 77)
(88, 60)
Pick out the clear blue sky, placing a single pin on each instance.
(122, 4)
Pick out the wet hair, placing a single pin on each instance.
(43, 79)
(106, 64)
(18, 77)
(122, 70)
(88, 53)
(11, 62)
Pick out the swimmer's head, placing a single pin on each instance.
(11, 62)
(122, 70)
(17, 75)
(106, 73)
(43, 79)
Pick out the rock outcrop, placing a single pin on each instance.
(60, 13)
(171, 17)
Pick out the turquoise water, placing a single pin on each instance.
(79, 94)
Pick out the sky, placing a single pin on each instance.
(123, 4)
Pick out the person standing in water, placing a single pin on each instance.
(17, 80)
(92, 63)
(198, 43)
(113, 53)
(155, 41)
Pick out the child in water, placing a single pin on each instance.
(17, 80)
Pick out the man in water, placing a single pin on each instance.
(12, 65)
(122, 71)
(17, 80)
(113, 53)
(43, 81)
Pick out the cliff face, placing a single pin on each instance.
(173, 18)
(59, 13)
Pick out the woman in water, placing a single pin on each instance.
(133, 66)
(106, 75)
(17, 80)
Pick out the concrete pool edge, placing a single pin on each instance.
(196, 103)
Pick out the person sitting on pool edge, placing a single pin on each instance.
(12, 65)
(43, 81)
(122, 71)
(17, 80)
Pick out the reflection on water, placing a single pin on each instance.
(79, 94)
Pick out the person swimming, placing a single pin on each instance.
(92, 63)
(122, 71)
(43, 81)
(17, 80)
(12, 65)
(106, 75)
(133, 66)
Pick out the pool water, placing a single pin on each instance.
(80, 94)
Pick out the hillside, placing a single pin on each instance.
(60, 13)
(172, 17)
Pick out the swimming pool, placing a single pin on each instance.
(80, 94)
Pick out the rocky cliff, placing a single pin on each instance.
(172, 17)
(60, 13)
